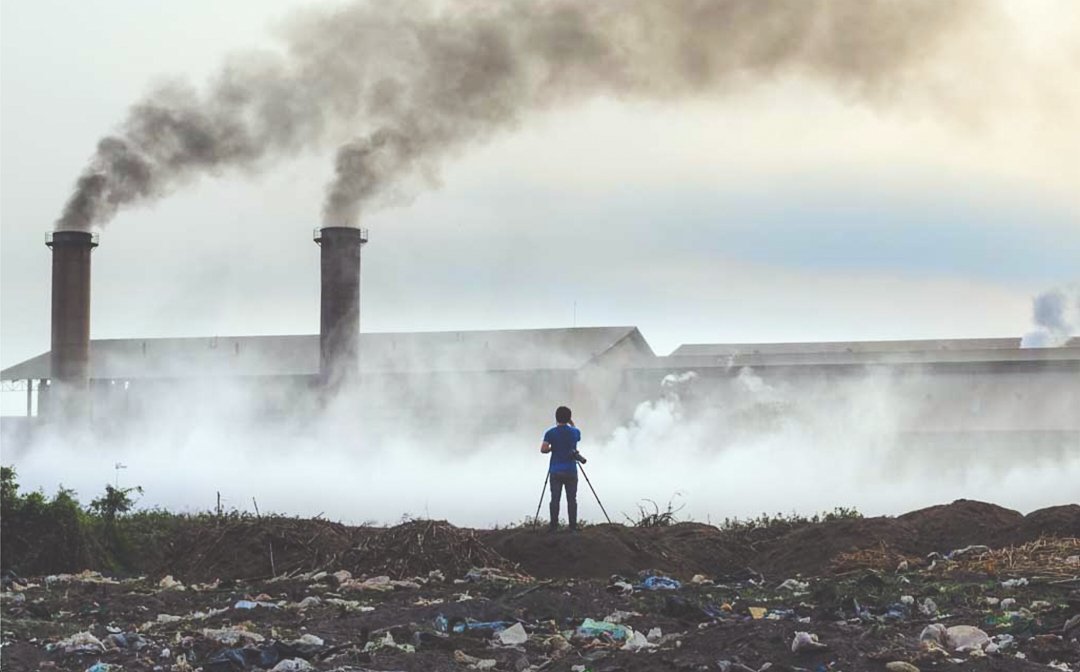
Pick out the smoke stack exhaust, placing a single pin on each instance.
(339, 310)
(69, 393)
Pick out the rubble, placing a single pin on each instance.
(495, 617)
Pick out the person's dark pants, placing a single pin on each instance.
(560, 480)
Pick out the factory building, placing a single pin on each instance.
(976, 391)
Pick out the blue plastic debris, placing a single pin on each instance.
(461, 625)
(660, 583)
(591, 628)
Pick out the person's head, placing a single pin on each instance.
(562, 415)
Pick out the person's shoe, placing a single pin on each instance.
(574, 529)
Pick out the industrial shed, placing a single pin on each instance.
(507, 373)
(983, 393)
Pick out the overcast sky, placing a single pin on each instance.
(777, 213)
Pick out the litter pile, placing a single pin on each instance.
(418, 547)
(899, 620)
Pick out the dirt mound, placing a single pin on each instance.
(1055, 521)
(595, 552)
(809, 550)
(946, 527)
(242, 548)
(420, 546)
(599, 551)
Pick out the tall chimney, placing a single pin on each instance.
(69, 394)
(339, 309)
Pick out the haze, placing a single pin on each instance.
(784, 210)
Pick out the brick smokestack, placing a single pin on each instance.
(339, 314)
(69, 393)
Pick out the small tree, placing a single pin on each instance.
(115, 502)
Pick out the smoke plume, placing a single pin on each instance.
(1056, 314)
(400, 86)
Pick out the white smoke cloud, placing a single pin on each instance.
(733, 445)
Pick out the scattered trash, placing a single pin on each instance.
(955, 638)
(102, 667)
(251, 604)
(976, 549)
(621, 587)
(80, 642)
(966, 638)
(310, 640)
(342, 576)
(999, 643)
(900, 666)
(757, 612)
(637, 642)
(1008, 604)
(232, 636)
(308, 602)
(292, 665)
(169, 583)
(907, 600)
(557, 646)
(513, 636)
(805, 641)
(592, 629)
(462, 658)
(794, 586)
(657, 582)
(701, 580)
(618, 616)
(378, 583)
(928, 607)
(387, 642)
(348, 605)
(1014, 583)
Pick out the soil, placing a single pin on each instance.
(964, 522)
(550, 583)
(1055, 521)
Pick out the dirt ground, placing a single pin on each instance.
(412, 600)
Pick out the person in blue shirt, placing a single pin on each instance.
(561, 441)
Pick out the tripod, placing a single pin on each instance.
(547, 477)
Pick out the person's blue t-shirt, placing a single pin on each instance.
(563, 440)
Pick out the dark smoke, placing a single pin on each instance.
(411, 83)
(1050, 312)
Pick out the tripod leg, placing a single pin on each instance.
(541, 502)
(594, 493)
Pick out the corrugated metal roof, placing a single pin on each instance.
(717, 349)
(873, 356)
(505, 350)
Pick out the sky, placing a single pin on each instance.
(778, 211)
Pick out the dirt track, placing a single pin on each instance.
(855, 606)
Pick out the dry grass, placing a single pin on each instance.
(1048, 557)
(879, 558)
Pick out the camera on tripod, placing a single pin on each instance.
(578, 457)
